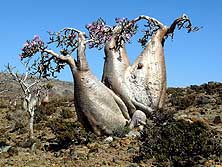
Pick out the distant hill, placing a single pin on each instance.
(61, 88)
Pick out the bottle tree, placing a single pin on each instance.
(141, 85)
(126, 91)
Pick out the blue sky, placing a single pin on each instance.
(190, 58)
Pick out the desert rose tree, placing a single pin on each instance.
(142, 85)
(98, 107)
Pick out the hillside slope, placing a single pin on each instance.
(187, 132)
(61, 88)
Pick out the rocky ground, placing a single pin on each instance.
(187, 132)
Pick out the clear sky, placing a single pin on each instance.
(193, 58)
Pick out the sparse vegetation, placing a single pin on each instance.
(181, 143)
(188, 137)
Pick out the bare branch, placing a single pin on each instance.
(22, 81)
(149, 19)
(70, 29)
(15, 77)
(4, 86)
(182, 22)
(54, 54)
(51, 62)
(25, 64)
(66, 39)
(48, 58)
(153, 25)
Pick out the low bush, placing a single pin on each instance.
(180, 143)
(68, 133)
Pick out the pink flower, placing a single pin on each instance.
(88, 25)
(36, 38)
(26, 44)
(20, 56)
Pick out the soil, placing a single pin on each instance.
(172, 136)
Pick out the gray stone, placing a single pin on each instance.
(108, 139)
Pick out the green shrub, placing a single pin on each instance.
(68, 133)
(66, 113)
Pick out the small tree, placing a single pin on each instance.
(31, 92)
(141, 86)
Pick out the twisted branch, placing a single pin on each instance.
(182, 22)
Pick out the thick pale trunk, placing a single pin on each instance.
(116, 63)
(143, 85)
(147, 76)
(97, 107)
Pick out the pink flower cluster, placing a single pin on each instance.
(31, 47)
(99, 33)
(129, 28)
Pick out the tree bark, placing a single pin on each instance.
(116, 62)
(97, 107)
(148, 73)
(141, 85)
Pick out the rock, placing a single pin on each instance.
(7, 151)
(73, 155)
(92, 145)
(125, 142)
(108, 139)
(133, 134)
(10, 162)
(211, 163)
(4, 148)
(79, 153)
(132, 165)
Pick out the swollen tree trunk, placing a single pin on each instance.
(147, 76)
(142, 85)
(139, 88)
(116, 63)
(97, 107)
